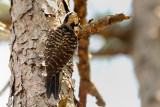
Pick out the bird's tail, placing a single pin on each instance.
(52, 86)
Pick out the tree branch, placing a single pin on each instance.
(112, 52)
(92, 90)
(97, 25)
(4, 88)
(93, 26)
(83, 65)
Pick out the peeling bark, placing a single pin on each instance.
(31, 22)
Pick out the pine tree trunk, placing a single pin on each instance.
(30, 25)
(147, 50)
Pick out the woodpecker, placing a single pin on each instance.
(60, 46)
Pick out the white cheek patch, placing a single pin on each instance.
(76, 29)
(76, 20)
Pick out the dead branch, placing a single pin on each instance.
(92, 90)
(94, 26)
(4, 88)
(98, 25)
(84, 65)
(112, 52)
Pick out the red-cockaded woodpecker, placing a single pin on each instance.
(60, 46)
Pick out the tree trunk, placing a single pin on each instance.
(31, 21)
(147, 50)
(83, 65)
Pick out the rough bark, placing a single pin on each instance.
(147, 50)
(31, 22)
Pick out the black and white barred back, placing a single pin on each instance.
(59, 49)
(61, 45)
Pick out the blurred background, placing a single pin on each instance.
(122, 56)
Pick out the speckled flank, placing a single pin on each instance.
(60, 47)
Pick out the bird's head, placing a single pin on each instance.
(72, 21)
